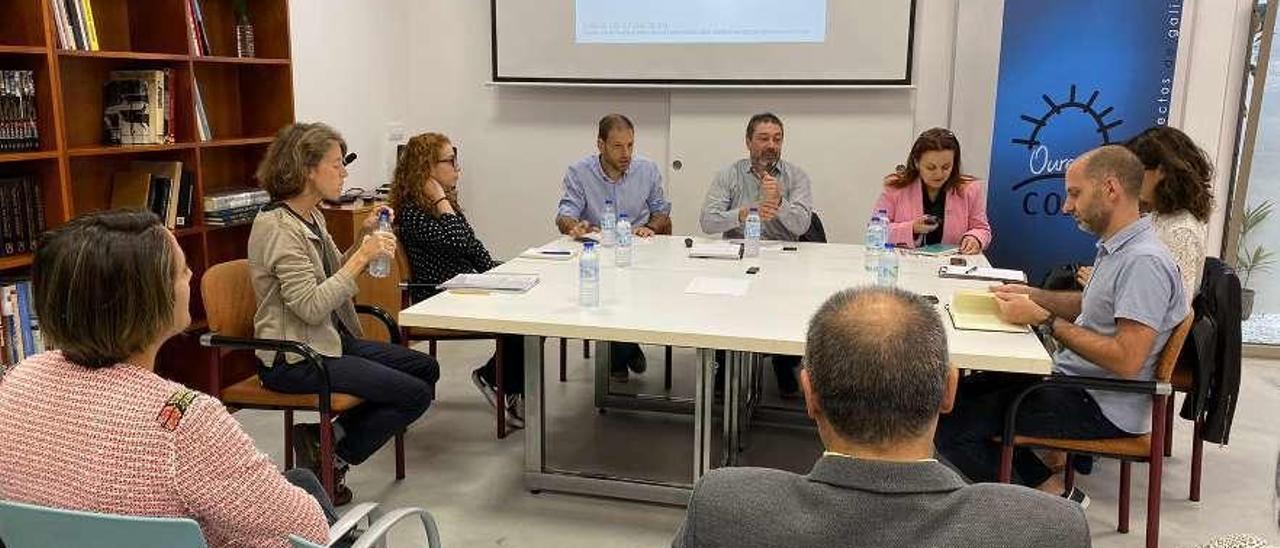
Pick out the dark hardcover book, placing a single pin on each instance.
(201, 34)
(6, 221)
(186, 197)
(158, 200)
(35, 211)
(19, 208)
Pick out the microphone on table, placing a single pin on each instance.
(688, 242)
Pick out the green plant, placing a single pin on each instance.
(1259, 258)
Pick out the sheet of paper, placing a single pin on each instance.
(735, 287)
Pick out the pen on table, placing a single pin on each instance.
(554, 252)
(971, 270)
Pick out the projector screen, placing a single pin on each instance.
(791, 42)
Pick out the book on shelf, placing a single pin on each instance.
(76, 26)
(235, 198)
(199, 35)
(203, 131)
(21, 214)
(138, 107)
(20, 336)
(163, 188)
(19, 127)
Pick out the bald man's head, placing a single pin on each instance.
(877, 363)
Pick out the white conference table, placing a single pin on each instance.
(646, 303)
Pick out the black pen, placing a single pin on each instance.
(971, 270)
(555, 252)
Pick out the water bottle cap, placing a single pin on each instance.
(609, 202)
(888, 246)
(588, 244)
(384, 215)
(622, 216)
(753, 210)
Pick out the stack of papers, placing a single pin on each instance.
(978, 311)
(716, 250)
(548, 254)
(982, 273)
(512, 283)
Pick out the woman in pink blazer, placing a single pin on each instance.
(930, 201)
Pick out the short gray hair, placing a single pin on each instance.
(877, 362)
(1115, 161)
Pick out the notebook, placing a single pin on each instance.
(548, 254)
(982, 273)
(508, 283)
(978, 311)
(716, 250)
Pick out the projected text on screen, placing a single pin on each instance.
(701, 21)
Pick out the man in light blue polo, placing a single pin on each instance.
(634, 185)
(1115, 329)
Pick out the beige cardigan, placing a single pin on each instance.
(295, 299)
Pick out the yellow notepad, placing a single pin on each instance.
(978, 311)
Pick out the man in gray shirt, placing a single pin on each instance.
(876, 377)
(779, 189)
(1115, 329)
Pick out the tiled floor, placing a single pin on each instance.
(472, 482)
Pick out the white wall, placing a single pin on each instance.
(350, 71)
(425, 62)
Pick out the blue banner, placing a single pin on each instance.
(1073, 76)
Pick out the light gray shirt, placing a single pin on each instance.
(1133, 278)
(846, 502)
(638, 194)
(736, 187)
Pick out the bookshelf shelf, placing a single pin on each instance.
(114, 150)
(23, 50)
(7, 157)
(190, 231)
(239, 60)
(15, 261)
(125, 55)
(246, 141)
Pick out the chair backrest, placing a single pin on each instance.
(31, 526)
(816, 232)
(298, 542)
(1173, 347)
(229, 301)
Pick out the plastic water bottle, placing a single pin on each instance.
(751, 234)
(589, 276)
(874, 244)
(622, 254)
(380, 266)
(887, 272)
(609, 224)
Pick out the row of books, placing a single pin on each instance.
(195, 28)
(162, 188)
(21, 214)
(75, 25)
(18, 128)
(234, 207)
(138, 107)
(19, 325)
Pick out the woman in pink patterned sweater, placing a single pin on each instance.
(92, 427)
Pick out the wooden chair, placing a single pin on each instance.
(229, 305)
(1147, 448)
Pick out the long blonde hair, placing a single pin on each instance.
(408, 188)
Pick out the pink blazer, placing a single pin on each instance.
(966, 213)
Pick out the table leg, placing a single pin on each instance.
(604, 350)
(702, 420)
(535, 407)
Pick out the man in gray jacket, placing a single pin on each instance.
(875, 379)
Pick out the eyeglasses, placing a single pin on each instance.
(453, 160)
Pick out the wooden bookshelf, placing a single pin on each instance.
(247, 101)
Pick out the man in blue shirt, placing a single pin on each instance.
(1115, 329)
(778, 188)
(632, 182)
(634, 185)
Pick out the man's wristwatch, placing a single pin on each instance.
(1047, 324)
